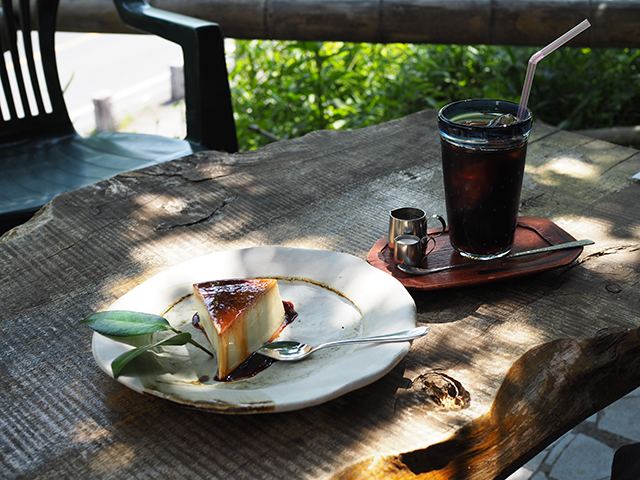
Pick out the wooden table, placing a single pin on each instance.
(536, 355)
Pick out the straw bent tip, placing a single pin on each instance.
(539, 55)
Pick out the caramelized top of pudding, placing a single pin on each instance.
(225, 300)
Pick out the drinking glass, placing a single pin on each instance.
(484, 148)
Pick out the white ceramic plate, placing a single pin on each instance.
(336, 296)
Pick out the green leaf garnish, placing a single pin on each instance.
(123, 323)
(119, 363)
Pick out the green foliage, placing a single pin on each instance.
(593, 88)
(292, 88)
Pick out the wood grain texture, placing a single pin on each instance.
(497, 22)
(535, 356)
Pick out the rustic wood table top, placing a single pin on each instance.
(506, 368)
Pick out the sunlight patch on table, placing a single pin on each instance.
(554, 171)
(574, 168)
(314, 243)
(513, 333)
(89, 431)
(606, 242)
(173, 205)
(112, 458)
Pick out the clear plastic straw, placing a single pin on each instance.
(539, 55)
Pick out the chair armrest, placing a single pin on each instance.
(209, 109)
(172, 26)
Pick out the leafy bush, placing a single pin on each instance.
(292, 88)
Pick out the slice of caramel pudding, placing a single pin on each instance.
(238, 316)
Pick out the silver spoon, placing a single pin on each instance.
(292, 351)
(551, 248)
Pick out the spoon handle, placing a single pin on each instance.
(392, 337)
(476, 263)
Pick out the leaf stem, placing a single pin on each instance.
(194, 343)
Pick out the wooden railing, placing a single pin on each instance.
(615, 23)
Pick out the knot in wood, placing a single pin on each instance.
(444, 391)
(613, 288)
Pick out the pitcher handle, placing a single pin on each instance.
(442, 222)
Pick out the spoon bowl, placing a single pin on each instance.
(290, 351)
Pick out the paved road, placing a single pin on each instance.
(134, 68)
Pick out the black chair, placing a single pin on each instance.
(41, 154)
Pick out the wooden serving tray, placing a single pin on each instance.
(531, 233)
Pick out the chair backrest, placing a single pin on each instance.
(209, 109)
(31, 99)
